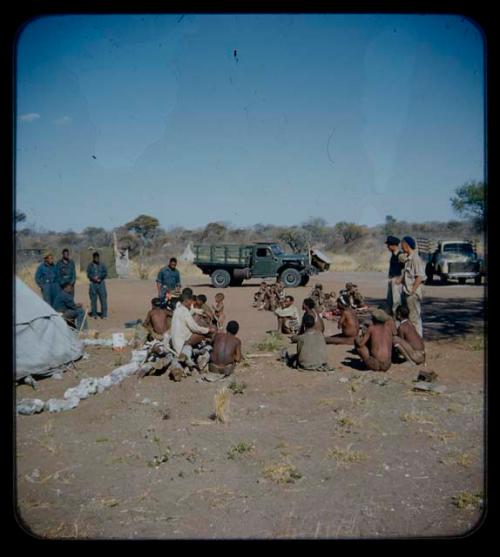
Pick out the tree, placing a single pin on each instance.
(96, 236)
(349, 231)
(469, 202)
(390, 226)
(145, 227)
(214, 232)
(317, 228)
(297, 238)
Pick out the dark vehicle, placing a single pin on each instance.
(231, 264)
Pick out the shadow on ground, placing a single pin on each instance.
(448, 318)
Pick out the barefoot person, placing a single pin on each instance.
(375, 346)
(349, 325)
(288, 317)
(408, 342)
(158, 320)
(311, 348)
(226, 350)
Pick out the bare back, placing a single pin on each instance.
(349, 323)
(160, 320)
(408, 332)
(226, 349)
(380, 341)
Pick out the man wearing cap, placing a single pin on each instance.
(97, 273)
(46, 279)
(412, 279)
(66, 272)
(396, 264)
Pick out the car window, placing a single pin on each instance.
(263, 252)
(457, 248)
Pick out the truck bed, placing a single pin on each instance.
(226, 254)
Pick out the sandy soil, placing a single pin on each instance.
(302, 454)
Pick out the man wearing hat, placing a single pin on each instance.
(412, 279)
(396, 264)
(46, 278)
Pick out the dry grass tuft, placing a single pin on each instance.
(273, 342)
(222, 401)
(466, 500)
(345, 457)
(240, 448)
(457, 458)
(282, 473)
(417, 418)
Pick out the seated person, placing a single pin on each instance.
(408, 342)
(348, 324)
(226, 350)
(258, 298)
(201, 311)
(158, 320)
(184, 330)
(309, 308)
(288, 317)
(311, 348)
(65, 304)
(279, 291)
(375, 345)
(218, 310)
(318, 297)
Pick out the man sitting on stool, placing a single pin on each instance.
(65, 304)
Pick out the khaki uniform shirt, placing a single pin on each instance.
(414, 267)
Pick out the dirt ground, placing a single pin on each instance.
(347, 454)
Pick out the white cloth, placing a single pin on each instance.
(183, 326)
(291, 312)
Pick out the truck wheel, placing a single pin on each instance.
(477, 281)
(305, 280)
(220, 278)
(461, 280)
(291, 277)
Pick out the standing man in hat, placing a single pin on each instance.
(412, 280)
(66, 272)
(46, 279)
(396, 264)
(168, 279)
(97, 273)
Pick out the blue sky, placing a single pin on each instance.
(344, 117)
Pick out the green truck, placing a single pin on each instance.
(231, 264)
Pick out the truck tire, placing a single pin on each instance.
(220, 278)
(291, 277)
(461, 280)
(477, 281)
(305, 280)
(444, 279)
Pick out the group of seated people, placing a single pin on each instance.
(379, 341)
(187, 324)
(269, 296)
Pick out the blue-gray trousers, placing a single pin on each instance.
(98, 290)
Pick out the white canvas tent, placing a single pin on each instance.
(43, 340)
(187, 255)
